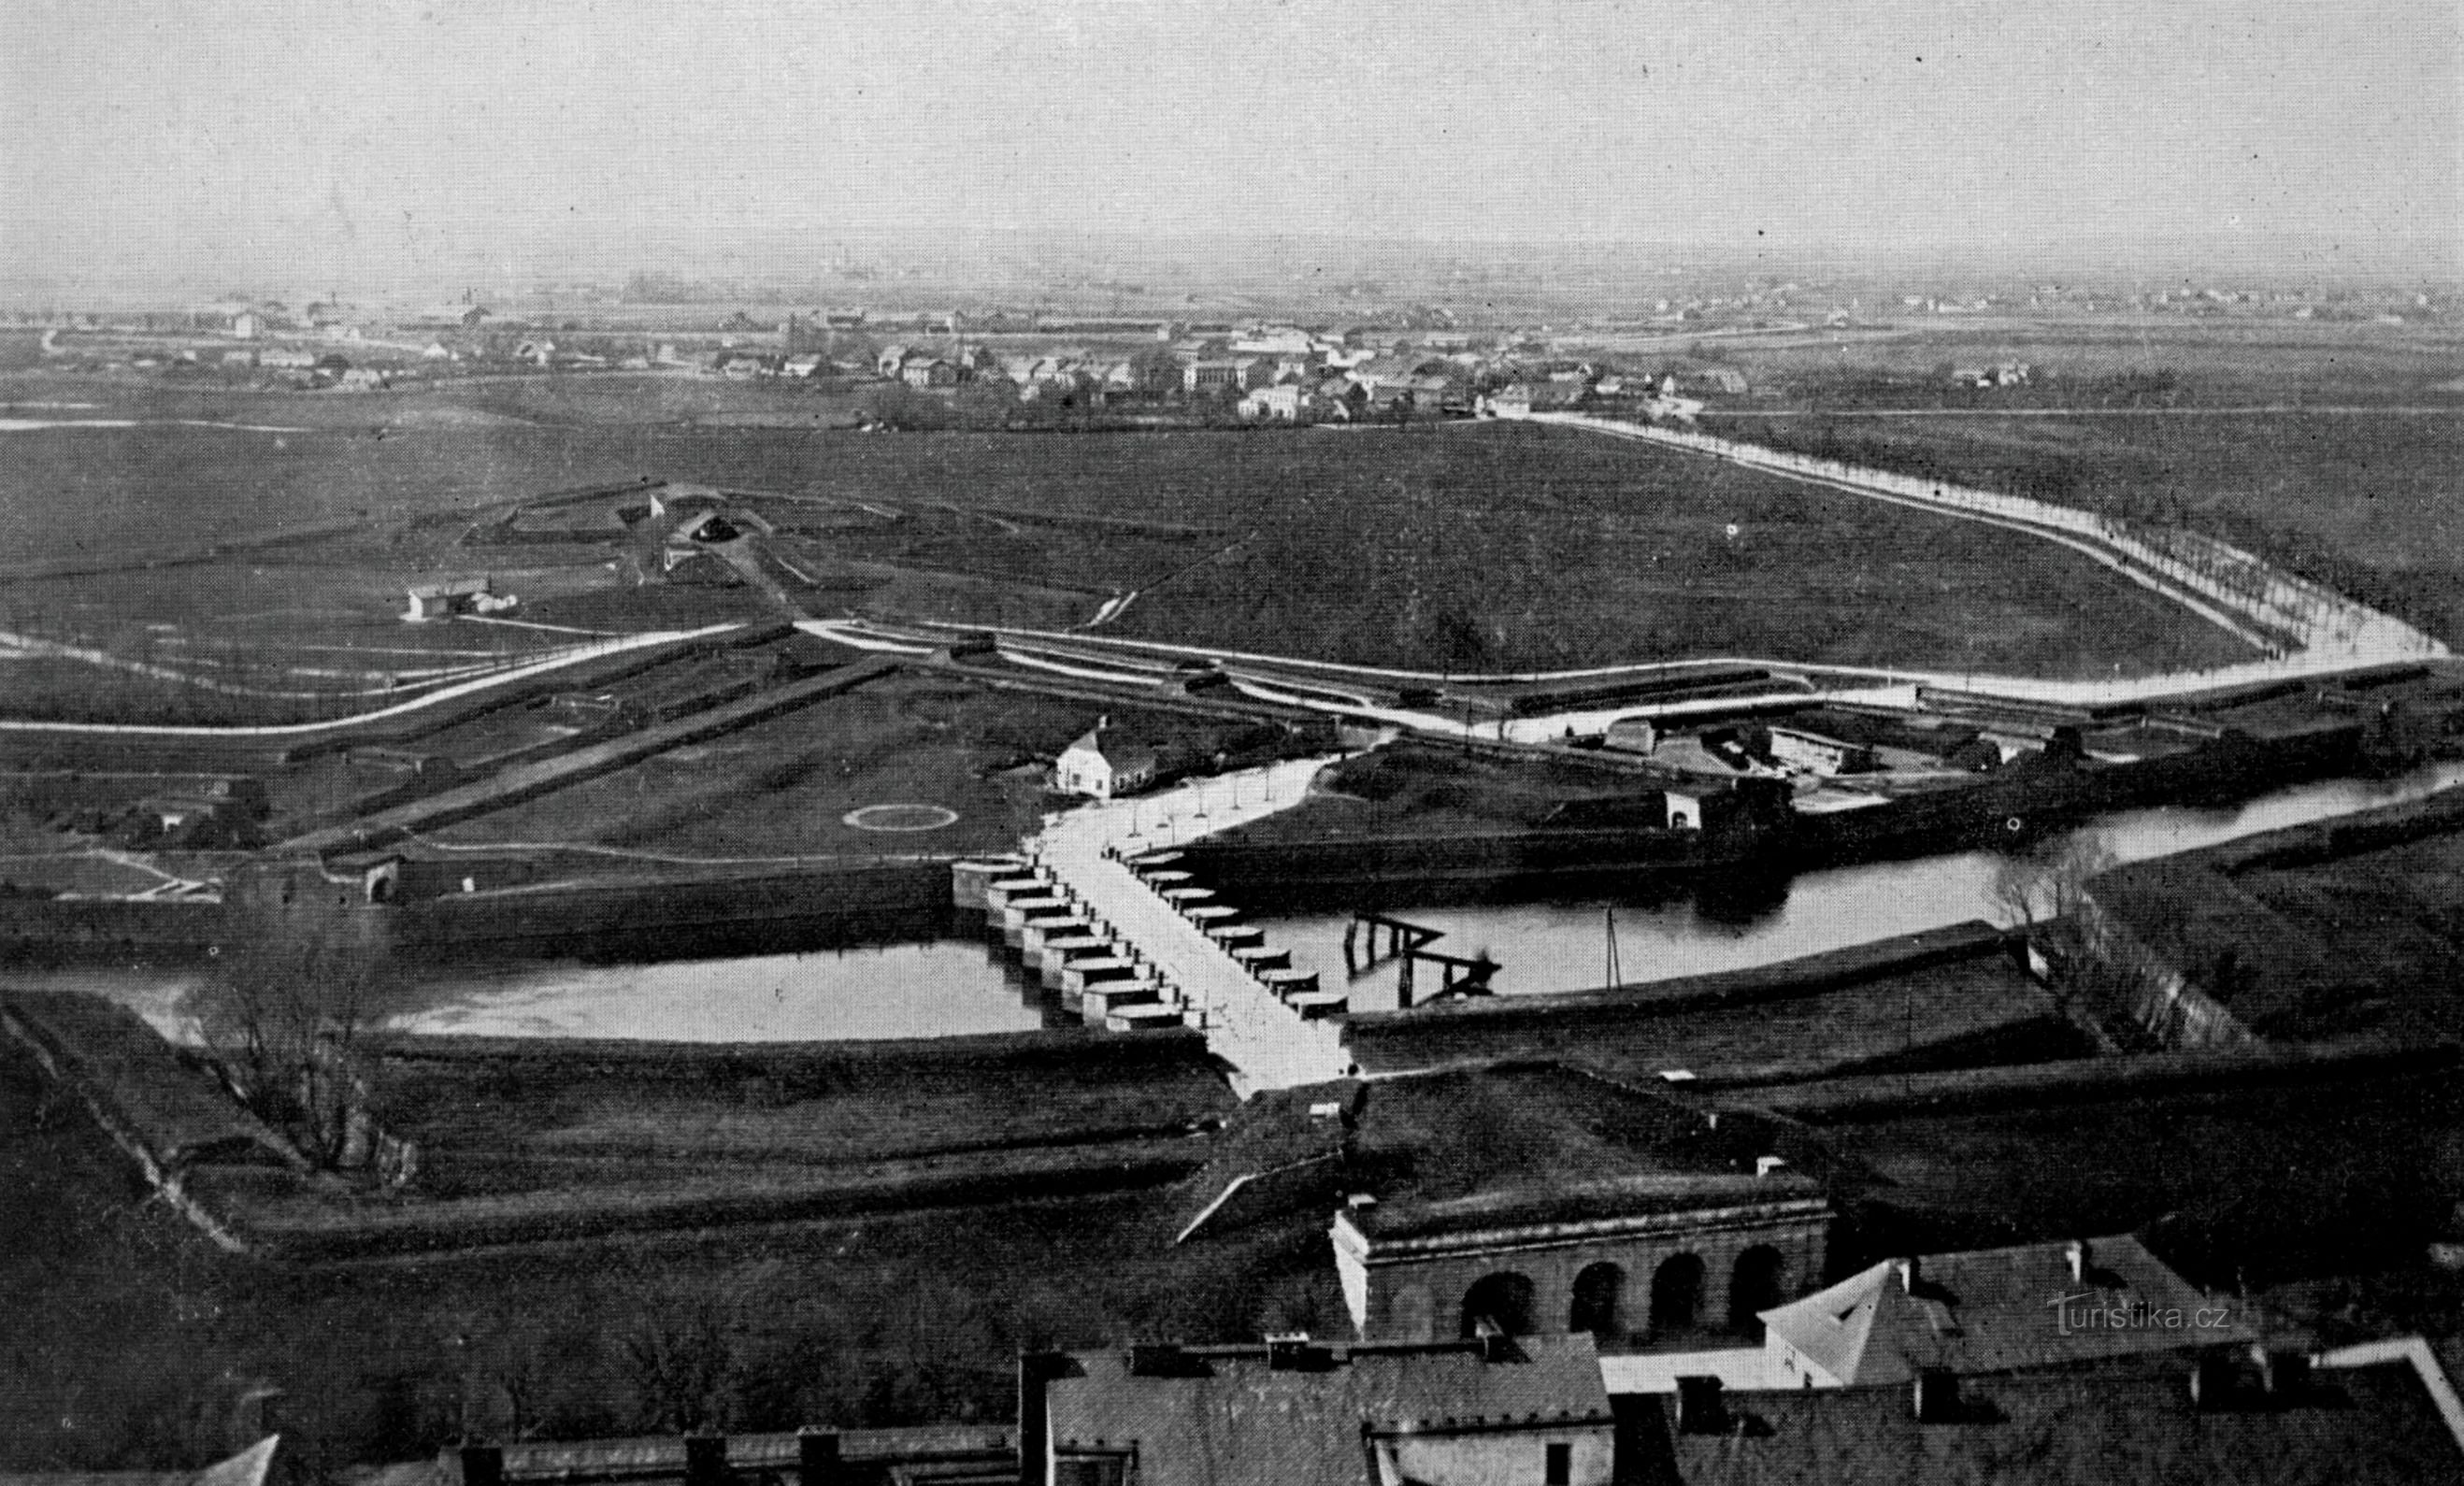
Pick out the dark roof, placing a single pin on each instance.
(2115, 1426)
(1991, 1310)
(1107, 744)
(1222, 1415)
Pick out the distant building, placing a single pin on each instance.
(455, 596)
(1102, 765)
(1489, 1412)
(1281, 404)
(245, 325)
(1211, 374)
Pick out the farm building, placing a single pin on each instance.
(454, 595)
(1488, 1411)
(1102, 765)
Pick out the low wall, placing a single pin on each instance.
(125, 931)
(514, 786)
(1382, 869)
(675, 918)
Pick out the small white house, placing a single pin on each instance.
(1103, 765)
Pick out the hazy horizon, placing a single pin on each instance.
(231, 146)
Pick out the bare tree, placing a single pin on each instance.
(2042, 891)
(284, 1010)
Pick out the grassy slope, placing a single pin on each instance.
(121, 1319)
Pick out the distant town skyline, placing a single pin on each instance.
(306, 143)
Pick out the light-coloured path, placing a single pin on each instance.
(1266, 1042)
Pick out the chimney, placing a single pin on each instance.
(706, 1460)
(1699, 1409)
(817, 1457)
(1036, 1371)
(1937, 1395)
(2077, 1254)
(483, 1465)
(1911, 1270)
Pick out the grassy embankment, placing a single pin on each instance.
(129, 1323)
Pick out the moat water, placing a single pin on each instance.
(965, 983)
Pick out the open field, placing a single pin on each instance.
(2110, 360)
(1438, 548)
(783, 787)
(2371, 504)
(1505, 547)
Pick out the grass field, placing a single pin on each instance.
(1501, 546)
(2371, 503)
(783, 788)
(1439, 547)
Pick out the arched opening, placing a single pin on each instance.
(1677, 1294)
(1503, 1299)
(1758, 1282)
(1597, 1291)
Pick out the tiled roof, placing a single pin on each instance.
(1991, 1310)
(1226, 1417)
(2116, 1425)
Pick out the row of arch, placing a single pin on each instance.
(1598, 1302)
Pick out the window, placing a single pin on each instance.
(1561, 1465)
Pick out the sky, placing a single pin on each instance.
(364, 139)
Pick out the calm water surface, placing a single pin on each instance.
(964, 985)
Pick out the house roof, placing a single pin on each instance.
(1992, 1310)
(1216, 1416)
(1109, 745)
(2115, 1424)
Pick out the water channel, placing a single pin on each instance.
(963, 983)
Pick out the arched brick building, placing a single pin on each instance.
(1544, 1201)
